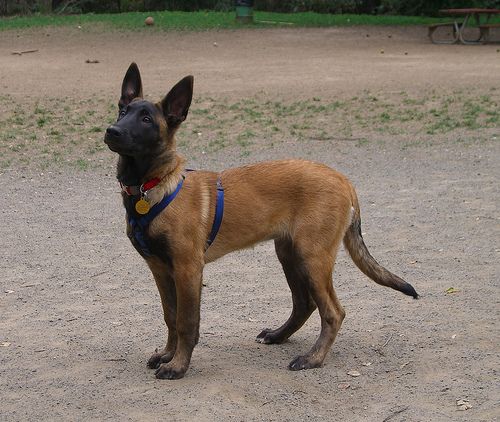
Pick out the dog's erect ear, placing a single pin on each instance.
(131, 86)
(176, 103)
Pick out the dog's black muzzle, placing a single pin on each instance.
(115, 139)
(113, 132)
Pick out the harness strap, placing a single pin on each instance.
(219, 213)
(140, 225)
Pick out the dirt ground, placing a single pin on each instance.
(80, 314)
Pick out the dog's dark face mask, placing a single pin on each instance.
(136, 133)
(144, 129)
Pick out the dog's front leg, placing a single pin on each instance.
(166, 287)
(188, 282)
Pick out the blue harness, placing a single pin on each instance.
(219, 212)
(139, 226)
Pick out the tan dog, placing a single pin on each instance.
(305, 207)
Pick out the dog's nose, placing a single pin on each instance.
(113, 131)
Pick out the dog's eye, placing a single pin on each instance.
(121, 113)
(146, 119)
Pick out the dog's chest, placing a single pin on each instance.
(147, 244)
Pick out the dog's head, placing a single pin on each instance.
(144, 128)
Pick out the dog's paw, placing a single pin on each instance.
(265, 336)
(167, 372)
(303, 362)
(158, 358)
(269, 336)
(154, 361)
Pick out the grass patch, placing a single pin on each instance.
(36, 134)
(204, 20)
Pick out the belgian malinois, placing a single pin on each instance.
(306, 208)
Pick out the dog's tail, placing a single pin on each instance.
(353, 241)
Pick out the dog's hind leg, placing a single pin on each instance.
(303, 304)
(166, 288)
(320, 265)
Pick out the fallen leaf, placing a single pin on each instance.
(451, 290)
(344, 385)
(5, 344)
(463, 404)
(354, 373)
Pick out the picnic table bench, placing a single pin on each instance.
(454, 25)
(484, 30)
(458, 26)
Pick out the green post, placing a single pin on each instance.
(244, 11)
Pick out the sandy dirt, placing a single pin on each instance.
(79, 311)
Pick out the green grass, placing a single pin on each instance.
(198, 21)
(52, 131)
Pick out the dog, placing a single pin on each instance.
(180, 220)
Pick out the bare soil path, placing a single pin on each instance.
(337, 61)
(79, 312)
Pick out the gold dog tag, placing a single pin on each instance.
(142, 206)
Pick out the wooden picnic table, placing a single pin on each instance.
(481, 18)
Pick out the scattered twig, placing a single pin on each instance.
(334, 138)
(98, 274)
(379, 349)
(66, 5)
(20, 53)
(116, 360)
(276, 22)
(395, 413)
(388, 340)
(91, 61)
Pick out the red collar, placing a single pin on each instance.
(138, 190)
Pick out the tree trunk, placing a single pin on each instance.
(45, 6)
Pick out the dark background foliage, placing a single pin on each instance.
(399, 7)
